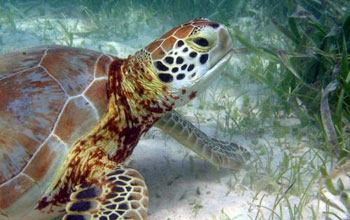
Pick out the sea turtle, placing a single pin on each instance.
(71, 117)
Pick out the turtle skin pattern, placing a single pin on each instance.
(71, 117)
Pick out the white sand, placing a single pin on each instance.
(176, 185)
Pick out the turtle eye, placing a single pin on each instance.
(200, 41)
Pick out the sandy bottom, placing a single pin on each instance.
(183, 186)
(181, 189)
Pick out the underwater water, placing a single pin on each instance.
(274, 98)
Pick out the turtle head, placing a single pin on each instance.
(189, 57)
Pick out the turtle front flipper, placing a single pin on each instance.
(122, 194)
(219, 153)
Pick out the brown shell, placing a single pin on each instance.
(49, 98)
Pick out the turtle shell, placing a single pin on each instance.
(49, 98)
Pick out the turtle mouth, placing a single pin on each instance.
(221, 62)
(215, 70)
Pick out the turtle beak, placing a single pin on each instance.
(220, 55)
(223, 48)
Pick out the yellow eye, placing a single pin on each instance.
(201, 41)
